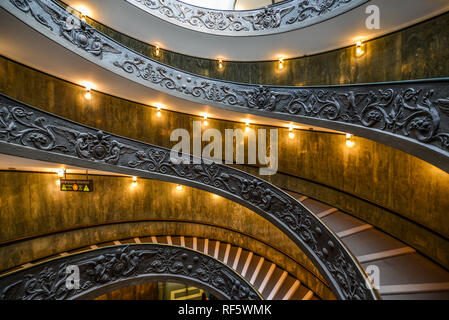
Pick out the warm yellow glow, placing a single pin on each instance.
(159, 107)
(360, 48)
(215, 196)
(61, 173)
(247, 122)
(349, 142)
(88, 87)
(134, 179)
(178, 187)
(220, 64)
(85, 11)
(134, 184)
(281, 63)
(157, 51)
(291, 135)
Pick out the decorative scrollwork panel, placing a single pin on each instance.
(111, 266)
(276, 18)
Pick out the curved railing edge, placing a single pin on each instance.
(32, 133)
(113, 266)
(272, 19)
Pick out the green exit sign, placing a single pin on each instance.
(76, 185)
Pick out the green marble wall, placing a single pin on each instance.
(418, 52)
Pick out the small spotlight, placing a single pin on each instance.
(360, 48)
(134, 179)
(61, 173)
(349, 142)
(291, 135)
(88, 87)
(281, 63)
(158, 108)
(215, 196)
(247, 122)
(220, 64)
(178, 187)
(157, 51)
(134, 183)
(205, 116)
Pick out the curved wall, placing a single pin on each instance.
(39, 221)
(389, 176)
(417, 52)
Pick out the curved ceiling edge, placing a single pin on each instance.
(112, 267)
(409, 116)
(35, 134)
(277, 18)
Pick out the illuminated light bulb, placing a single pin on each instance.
(83, 10)
(291, 135)
(61, 173)
(247, 125)
(178, 187)
(157, 51)
(134, 179)
(281, 63)
(349, 142)
(205, 116)
(220, 64)
(359, 48)
(158, 108)
(215, 196)
(88, 87)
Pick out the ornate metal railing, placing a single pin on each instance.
(276, 18)
(32, 133)
(95, 272)
(410, 116)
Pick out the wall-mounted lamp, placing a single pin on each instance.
(281, 63)
(220, 64)
(247, 122)
(88, 89)
(61, 173)
(159, 107)
(205, 115)
(359, 48)
(157, 51)
(349, 142)
(291, 135)
(134, 183)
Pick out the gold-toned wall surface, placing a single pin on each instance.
(418, 52)
(371, 171)
(38, 220)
